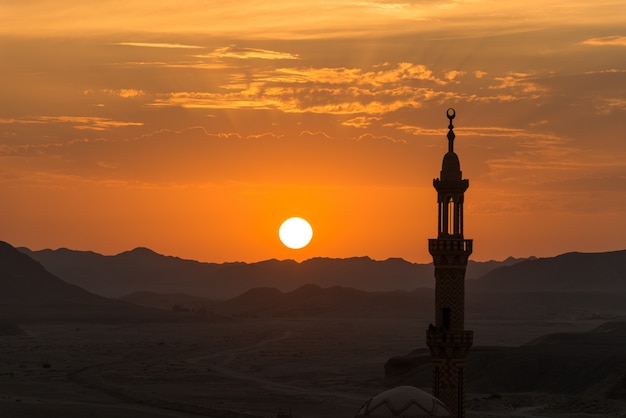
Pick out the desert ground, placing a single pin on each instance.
(254, 367)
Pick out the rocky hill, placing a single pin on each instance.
(571, 272)
(28, 292)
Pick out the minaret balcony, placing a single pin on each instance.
(450, 344)
(450, 245)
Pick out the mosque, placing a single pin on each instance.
(447, 338)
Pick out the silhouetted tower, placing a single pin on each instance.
(447, 339)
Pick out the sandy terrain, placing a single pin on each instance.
(254, 367)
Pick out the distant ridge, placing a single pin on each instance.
(28, 292)
(571, 272)
(143, 270)
(306, 301)
(313, 300)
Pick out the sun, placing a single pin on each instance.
(295, 233)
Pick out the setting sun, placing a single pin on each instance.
(295, 233)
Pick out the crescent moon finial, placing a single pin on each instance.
(450, 113)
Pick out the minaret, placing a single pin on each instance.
(447, 339)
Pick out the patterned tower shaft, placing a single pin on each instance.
(447, 339)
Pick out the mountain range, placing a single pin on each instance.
(571, 272)
(336, 301)
(144, 270)
(575, 284)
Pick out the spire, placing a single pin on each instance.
(451, 114)
(451, 167)
(447, 338)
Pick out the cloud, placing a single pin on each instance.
(382, 138)
(313, 75)
(328, 90)
(128, 93)
(361, 121)
(288, 20)
(607, 106)
(609, 71)
(339, 101)
(520, 85)
(124, 93)
(246, 99)
(481, 132)
(157, 45)
(401, 72)
(417, 130)
(249, 53)
(199, 65)
(451, 75)
(479, 74)
(317, 134)
(78, 122)
(264, 136)
(616, 40)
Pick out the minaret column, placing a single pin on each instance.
(447, 339)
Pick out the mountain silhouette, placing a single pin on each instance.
(305, 301)
(313, 300)
(143, 270)
(29, 292)
(23, 281)
(571, 272)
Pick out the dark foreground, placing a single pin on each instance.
(244, 368)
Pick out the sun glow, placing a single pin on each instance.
(295, 233)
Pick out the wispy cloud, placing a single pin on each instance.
(316, 134)
(292, 20)
(317, 100)
(124, 93)
(157, 45)
(198, 64)
(607, 106)
(341, 90)
(382, 138)
(516, 81)
(533, 137)
(616, 40)
(381, 75)
(249, 53)
(78, 122)
(609, 71)
(361, 121)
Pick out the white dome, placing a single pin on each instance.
(403, 401)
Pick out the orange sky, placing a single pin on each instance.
(196, 127)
